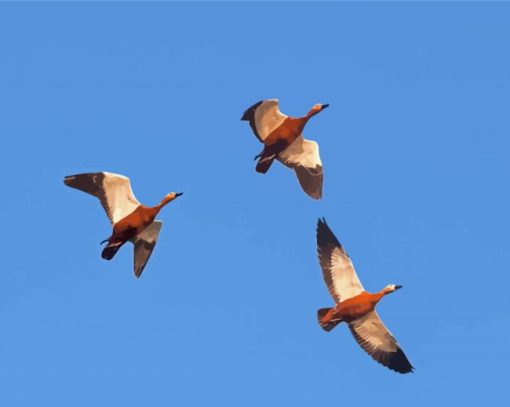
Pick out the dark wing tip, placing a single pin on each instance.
(325, 236)
(68, 179)
(89, 182)
(249, 113)
(399, 362)
(72, 180)
(315, 193)
(310, 180)
(396, 361)
(321, 222)
(142, 253)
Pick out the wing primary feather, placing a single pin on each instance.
(337, 269)
(325, 235)
(375, 339)
(264, 117)
(249, 115)
(113, 190)
(144, 245)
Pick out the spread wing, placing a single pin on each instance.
(337, 268)
(113, 190)
(371, 334)
(303, 156)
(144, 245)
(264, 117)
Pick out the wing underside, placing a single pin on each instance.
(337, 269)
(375, 339)
(144, 244)
(113, 191)
(303, 157)
(264, 117)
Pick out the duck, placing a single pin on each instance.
(283, 141)
(354, 305)
(131, 221)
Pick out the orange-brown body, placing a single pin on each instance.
(129, 227)
(133, 224)
(287, 132)
(282, 137)
(352, 308)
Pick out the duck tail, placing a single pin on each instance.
(110, 250)
(265, 163)
(327, 322)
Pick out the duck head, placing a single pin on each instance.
(319, 107)
(390, 288)
(169, 198)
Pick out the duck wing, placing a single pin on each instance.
(264, 117)
(303, 156)
(371, 334)
(113, 190)
(144, 243)
(337, 268)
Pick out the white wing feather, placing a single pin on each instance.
(264, 117)
(119, 196)
(303, 156)
(373, 336)
(113, 190)
(337, 268)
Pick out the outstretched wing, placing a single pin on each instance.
(113, 190)
(303, 156)
(144, 245)
(264, 117)
(371, 334)
(337, 268)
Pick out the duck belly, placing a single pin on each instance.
(131, 225)
(353, 310)
(285, 135)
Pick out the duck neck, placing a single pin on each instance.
(304, 119)
(378, 296)
(310, 114)
(165, 201)
(152, 211)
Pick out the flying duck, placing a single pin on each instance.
(354, 305)
(131, 221)
(283, 140)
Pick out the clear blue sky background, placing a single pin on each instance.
(415, 147)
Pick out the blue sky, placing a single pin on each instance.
(415, 150)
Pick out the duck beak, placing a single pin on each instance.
(398, 287)
(325, 106)
(178, 194)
